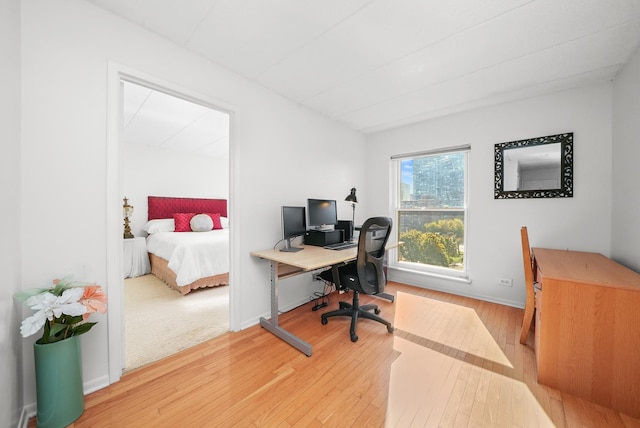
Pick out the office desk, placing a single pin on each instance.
(285, 265)
(586, 329)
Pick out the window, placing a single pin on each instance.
(431, 210)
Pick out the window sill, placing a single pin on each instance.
(445, 277)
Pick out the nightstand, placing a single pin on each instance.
(135, 257)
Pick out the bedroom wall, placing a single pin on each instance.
(282, 154)
(625, 233)
(162, 172)
(10, 311)
(494, 251)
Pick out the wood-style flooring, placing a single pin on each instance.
(451, 362)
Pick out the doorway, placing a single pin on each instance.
(117, 185)
(171, 147)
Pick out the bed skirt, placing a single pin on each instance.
(160, 268)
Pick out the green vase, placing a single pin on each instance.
(59, 382)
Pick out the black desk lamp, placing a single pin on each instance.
(351, 198)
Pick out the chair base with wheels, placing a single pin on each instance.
(355, 311)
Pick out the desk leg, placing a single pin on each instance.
(272, 324)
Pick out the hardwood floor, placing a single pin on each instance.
(452, 362)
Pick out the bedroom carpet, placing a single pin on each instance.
(160, 321)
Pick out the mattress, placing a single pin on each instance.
(192, 255)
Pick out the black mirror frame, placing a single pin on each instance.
(566, 150)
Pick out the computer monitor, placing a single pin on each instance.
(323, 214)
(294, 223)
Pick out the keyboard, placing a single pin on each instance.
(341, 245)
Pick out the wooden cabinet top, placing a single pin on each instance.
(584, 267)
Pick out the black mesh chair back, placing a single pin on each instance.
(364, 275)
(371, 249)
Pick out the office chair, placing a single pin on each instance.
(364, 275)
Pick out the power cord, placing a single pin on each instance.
(322, 299)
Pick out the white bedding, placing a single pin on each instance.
(192, 255)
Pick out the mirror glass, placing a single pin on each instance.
(535, 168)
(532, 168)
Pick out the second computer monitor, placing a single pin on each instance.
(293, 225)
(323, 213)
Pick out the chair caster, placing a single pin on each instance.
(390, 328)
(354, 337)
(323, 320)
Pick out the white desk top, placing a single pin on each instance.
(311, 258)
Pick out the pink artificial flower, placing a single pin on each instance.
(94, 300)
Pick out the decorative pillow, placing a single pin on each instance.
(159, 225)
(182, 221)
(224, 222)
(215, 217)
(201, 223)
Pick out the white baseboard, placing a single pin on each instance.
(267, 315)
(24, 418)
(95, 384)
(430, 283)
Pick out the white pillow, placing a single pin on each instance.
(201, 223)
(160, 225)
(224, 221)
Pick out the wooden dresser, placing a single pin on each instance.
(587, 331)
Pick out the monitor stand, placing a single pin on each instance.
(289, 249)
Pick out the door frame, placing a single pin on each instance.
(114, 194)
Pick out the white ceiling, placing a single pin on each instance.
(377, 64)
(156, 119)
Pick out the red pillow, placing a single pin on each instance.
(183, 221)
(216, 220)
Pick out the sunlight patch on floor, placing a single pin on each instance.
(456, 327)
(451, 372)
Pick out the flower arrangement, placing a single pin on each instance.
(62, 310)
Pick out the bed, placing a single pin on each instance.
(182, 258)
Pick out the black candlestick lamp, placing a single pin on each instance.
(353, 200)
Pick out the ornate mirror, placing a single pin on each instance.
(536, 168)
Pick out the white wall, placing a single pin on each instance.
(626, 174)
(283, 154)
(493, 250)
(162, 172)
(10, 312)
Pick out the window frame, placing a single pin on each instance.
(395, 190)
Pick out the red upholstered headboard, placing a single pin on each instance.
(165, 207)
